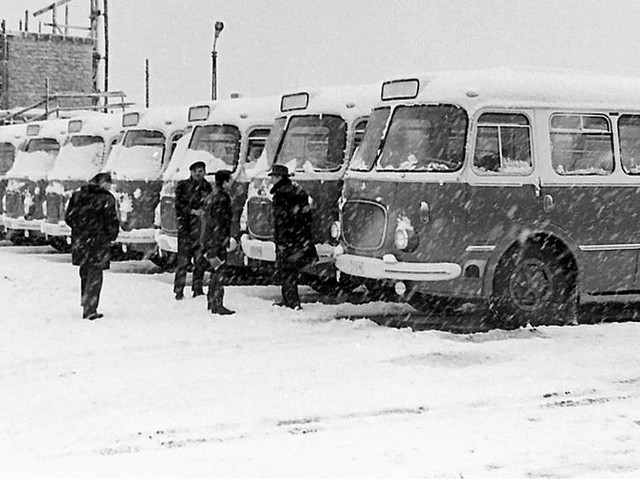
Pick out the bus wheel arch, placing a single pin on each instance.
(535, 281)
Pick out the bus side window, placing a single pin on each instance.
(629, 133)
(581, 145)
(503, 145)
(174, 145)
(256, 144)
(358, 134)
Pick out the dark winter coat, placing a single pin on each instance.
(190, 195)
(216, 224)
(293, 226)
(93, 220)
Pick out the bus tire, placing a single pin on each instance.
(60, 244)
(165, 261)
(533, 285)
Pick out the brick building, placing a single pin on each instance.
(27, 59)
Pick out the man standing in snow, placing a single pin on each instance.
(293, 234)
(216, 236)
(93, 220)
(190, 195)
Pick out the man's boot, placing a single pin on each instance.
(218, 308)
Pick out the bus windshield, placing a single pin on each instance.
(140, 155)
(425, 138)
(365, 155)
(220, 141)
(314, 142)
(45, 145)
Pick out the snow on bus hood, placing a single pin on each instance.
(78, 163)
(261, 166)
(136, 163)
(32, 166)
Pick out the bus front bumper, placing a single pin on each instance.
(258, 249)
(390, 268)
(167, 242)
(22, 224)
(139, 236)
(266, 250)
(55, 229)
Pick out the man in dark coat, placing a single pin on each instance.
(216, 235)
(93, 220)
(190, 195)
(293, 234)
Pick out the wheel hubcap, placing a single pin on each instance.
(530, 285)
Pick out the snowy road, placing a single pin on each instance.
(163, 389)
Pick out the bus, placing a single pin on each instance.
(84, 153)
(314, 136)
(12, 138)
(514, 188)
(27, 179)
(137, 163)
(232, 138)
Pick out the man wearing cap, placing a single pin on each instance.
(92, 217)
(293, 234)
(216, 237)
(190, 195)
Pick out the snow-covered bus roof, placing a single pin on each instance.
(35, 166)
(76, 162)
(244, 113)
(14, 134)
(52, 129)
(503, 87)
(166, 119)
(348, 101)
(105, 125)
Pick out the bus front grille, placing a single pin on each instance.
(14, 204)
(54, 208)
(168, 220)
(260, 218)
(364, 224)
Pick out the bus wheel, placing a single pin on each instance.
(60, 244)
(165, 261)
(533, 286)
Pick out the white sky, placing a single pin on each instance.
(269, 46)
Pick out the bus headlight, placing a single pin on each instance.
(157, 216)
(335, 230)
(406, 240)
(402, 239)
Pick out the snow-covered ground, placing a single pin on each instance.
(160, 388)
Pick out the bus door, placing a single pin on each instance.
(504, 192)
(586, 199)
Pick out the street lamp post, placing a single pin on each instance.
(214, 57)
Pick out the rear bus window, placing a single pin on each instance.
(503, 145)
(581, 145)
(629, 132)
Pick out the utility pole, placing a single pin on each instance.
(146, 82)
(214, 60)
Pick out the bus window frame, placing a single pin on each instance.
(467, 134)
(250, 138)
(618, 144)
(290, 117)
(473, 139)
(615, 142)
(352, 146)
